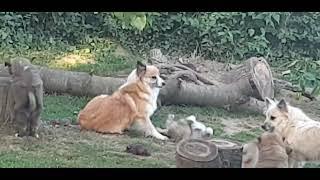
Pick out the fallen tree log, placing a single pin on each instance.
(241, 88)
(237, 89)
(74, 83)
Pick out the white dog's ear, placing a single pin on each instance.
(269, 102)
(282, 105)
(141, 69)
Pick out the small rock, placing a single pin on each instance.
(137, 149)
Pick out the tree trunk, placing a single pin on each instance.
(242, 88)
(196, 153)
(238, 89)
(230, 153)
(74, 83)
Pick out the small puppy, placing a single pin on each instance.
(185, 128)
(27, 99)
(269, 151)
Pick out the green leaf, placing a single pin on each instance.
(316, 90)
(276, 17)
(251, 32)
(302, 84)
(310, 76)
(221, 33)
(286, 72)
(139, 22)
(119, 15)
(292, 64)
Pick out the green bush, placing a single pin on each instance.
(286, 39)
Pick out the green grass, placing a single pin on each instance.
(67, 147)
(103, 58)
(62, 107)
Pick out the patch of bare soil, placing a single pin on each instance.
(234, 126)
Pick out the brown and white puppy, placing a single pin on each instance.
(268, 151)
(300, 132)
(185, 128)
(27, 99)
(129, 105)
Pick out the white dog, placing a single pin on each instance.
(299, 132)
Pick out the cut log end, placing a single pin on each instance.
(196, 153)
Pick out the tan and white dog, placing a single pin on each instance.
(300, 132)
(131, 104)
(267, 151)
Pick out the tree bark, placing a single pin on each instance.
(230, 153)
(74, 83)
(244, 87)
(196, 153)
(241, 88)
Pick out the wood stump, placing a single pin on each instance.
(230, 153)
(197, 153)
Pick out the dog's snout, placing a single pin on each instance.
(264, 127)
(163, 83)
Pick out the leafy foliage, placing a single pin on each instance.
(287, 39)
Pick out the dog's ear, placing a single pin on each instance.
(282, 105)
(141, 69)
(268, 102)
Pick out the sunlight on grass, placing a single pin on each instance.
(70, 60)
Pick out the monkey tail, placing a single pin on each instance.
(32, 100)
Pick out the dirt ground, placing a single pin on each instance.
(66, 146)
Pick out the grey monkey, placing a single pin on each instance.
(27, 98)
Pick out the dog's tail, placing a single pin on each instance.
(32, 101)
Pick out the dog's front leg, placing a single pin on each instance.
(150, 130)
